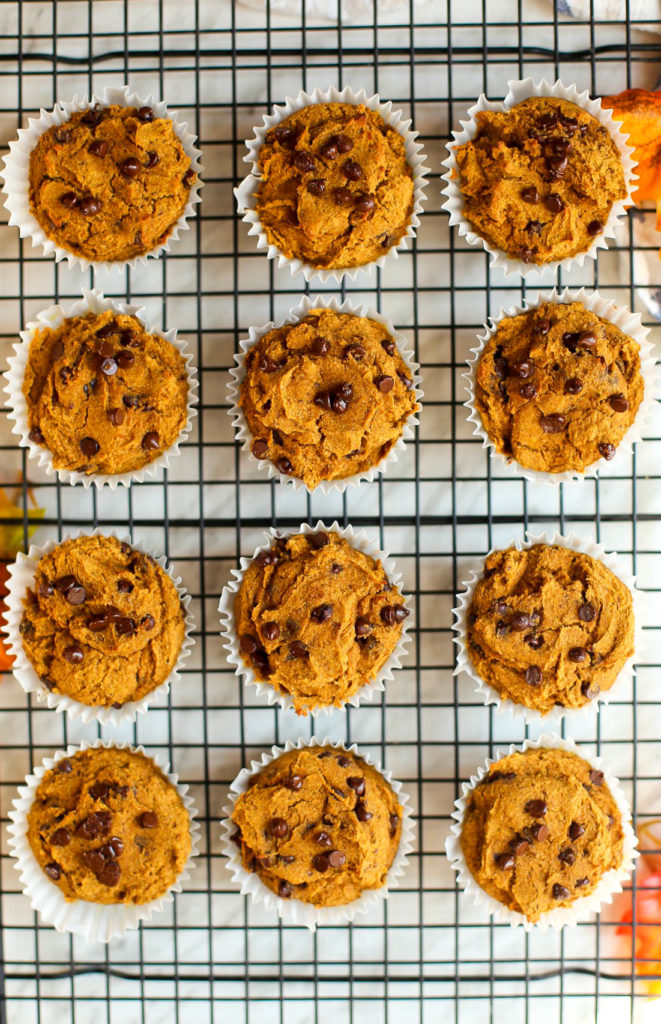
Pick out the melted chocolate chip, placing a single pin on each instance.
(69, 200)
(293, 782)
(89, 205)
(336, 858)
(99, 791)
(109, 874)
(581, 882)
(76, 594)
(554, 203)
(356, 352)
(36, 436)
(586, 340)
(116, 417)
(145, 114)
(97, 824)
(365, 202)
(284, 889)
(542, 326)
(297, 649)
(329, 150)
(362, 627)
(384, 383)
(318, 540)
(323, 839)
(519, 622)
(320, 346)
(343, 142)
(285, 466)
(152, 160)
(62, 837)
(357, 784)
(130, 168)
(595, 227)
(125, 359)
(596, 777)
(391, 614)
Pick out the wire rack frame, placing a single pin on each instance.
(213, 957)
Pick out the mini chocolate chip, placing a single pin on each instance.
(69, 200)
(278, 828)
(304, 161)
(577, 654)
(62, 837)
(321, 613)
(530, 195)
(97, 824)
(595, 227)
(148, 622)
(536, 808)
(581, 882)
(152, 160)
(320, 346)
(536, 833)
(542, 326)
(109, 874)
(98, 623)
(52, 870)
(352, 170)
(590, 690)
(336, 569)
(553, 424)
(125, 359)
(586, 340)
(504, 861)
(130, 167)
(261, 662)
(268, 365)
(384, 383)
(618, 403)
(501, 367)
(394, 824)
(357, 783)
(316, 187)
(573, 386)
(357, 352)
(99, 790)
(45, 589)
(65, 583)
(113, 848)
(343, 142)
(284, 889)
(362, 627)
(517, 845)
(270, 631)
(318, 540)
(98, 148)
(557, 165)
(297, 649)
(107, 330)
(88, 206)
(89, 446)
(323, 400)
(151, 441)
(528, 390)
(522, 370)
(554, 203)
(116, 417)
(361, 812)
(526, 255)
(145, 114)
(64, 766)
(570, 340)
(519, 622)
(596, 777)
(365, 202)
(260, 449)
(575, 830)
(266, 557)
(148, 820)
(534, 227)
(323, 839)
(320, 862)
(293, 782)
(124, 586)
(533, 675)
(497, 776)
(391, 614)
(534, 640)
(114, 614)
(94, 860)
(284, 135)
(606, 450)
(560, 892)
(343, 197)
(76, 595)
(329, 150)
(36, 436)
(567, 856)
(343, 761)
(501, 628)
(125, 626)
(336, 858)
(285, 466)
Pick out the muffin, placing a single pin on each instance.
(558, 387)
(318, 825)
(336, 189)
(326, 398)
(103, 395)
(549, 626)
(107, 826)
(540, 830)
(317, 619)
(539, 180)
(102, 622)
(110, 183)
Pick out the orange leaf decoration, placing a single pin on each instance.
(12, 536)
(640, 113)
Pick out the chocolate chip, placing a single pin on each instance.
(99, 791)
(336, 858)
(530, 195)
(596, 777)
(318, 540)
(316, 187)
(361, 812)
(606, 450)
(97, 824)
(270, 631)
(522, 370)
(45, 589)
(557, 166)
(391, 614)
(553, 424)
(94, 860)
(365, 202)
(76, 595)
(304, 161)
(125, 359)
(393, 822)
(128, 339)
(36, 436)
(116, 417)
(343, 142)
(266, 557)
(320, 346)
(542, 326)
(108, 366)
(329, 150)
(109, 874)
(352, 170)
(560, 892)
(152, 160)
(536, 808)
(519, 622)
(537, 833)
(124, 586)
(125, 626)
(595, 227)
(497, 776)
(61, 838)
(113, 848)
(533, 675)
(575, 830)
(148, 622)
(89, 446)
(518, 844)
(148, 820)
(586, 340)
(323, 400)
(567, 856)
(581, 882)
(573, 386)
(278, 828)
(130, 167)
(52, 870)
(88, 206)
(357, 783)
(534, 227)
(554, 203)
(501, 629)
(577, 654)
(69, 200)
(64, 766)
(321, 613)
(145, 114)
(535, 641)
(526, 255)
(284, 135)
(260, 449)
(65, 583)
(285, 466)
(336, 569)
(362, 627)
(293, 782)
(504, 861)
(357, 352)
(323, 839)
(384, 383)
(98, 148)
(343, 197)
(570, 340)
(618, 403)
(151, 441)
(320, 862)
(590, 690)
(284, 889)
(297, 649)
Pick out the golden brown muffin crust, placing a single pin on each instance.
(539, 180)
(110, 183)
(107, 826)
(102, 623)
(317, 619)
(541, 830)
(549, 626)
(336, 189)
(326, 398)
(103, 395)
(318, 825)
(558, 387)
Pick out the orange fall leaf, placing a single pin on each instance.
(639, 110)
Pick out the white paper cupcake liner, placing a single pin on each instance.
(238, 373)
(518, 92)
(96, 922)
(93, 301)
(629, 323)
(361, 542)
(294, 911)
(246, 192)
(488, 693)
(581, 909)
(20, 578)
(17, 167)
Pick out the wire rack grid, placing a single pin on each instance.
(426, 953)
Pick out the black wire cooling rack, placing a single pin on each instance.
(426, 953)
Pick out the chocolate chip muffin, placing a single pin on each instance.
(336, 189)
(104, 395)
(558, 387)
(317, 619)
(107, 826)
(549, 626)
(110, 183)
(326, 398)
(540, 179)
(318, 825)
(102, 622)
(540, 830)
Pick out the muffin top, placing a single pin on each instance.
(558, 387)
(539, 180)
(326, 398)
(103, 395)
(110, 183)
(318, 825)
(549, 626)
(107, 826)
(335, 189)
(540, 830)
(102, 622)
(316, 618)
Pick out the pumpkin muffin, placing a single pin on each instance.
(318, 825)
(558, 387)
(102, 622)
(540, 830)
(549, 626)
(107, 826)
(336, 189)
(540, 179)
(317, 619)
(103, 395)
(111, 183)
(326, 398)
